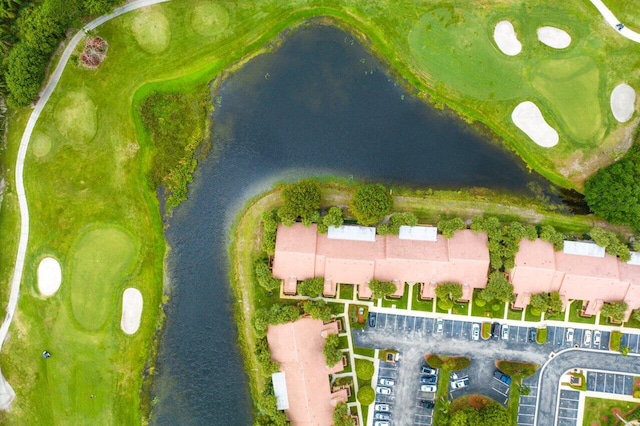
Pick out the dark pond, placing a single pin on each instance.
(319, 105)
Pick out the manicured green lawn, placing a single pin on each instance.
(346, 291)
(364, 351)
(514, 314)
(528, 316)
(460, 308)
(601, 410)
(399, 303)
(574, 313)
(421, 305)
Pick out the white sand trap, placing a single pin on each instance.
(131, 310)
(506, 39)
(554, 37)
(623, 99)
(529, 119)
(49, 276)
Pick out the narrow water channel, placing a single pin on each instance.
(319, 105)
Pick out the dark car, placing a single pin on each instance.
(495, 330)
(428, 380)
(502, 377)
(425, 369)
(372, 319)
(532, 334)
(425, 403)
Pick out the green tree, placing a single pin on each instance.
(498, 288)
(448, 227)
(24, 74)
(270, 225)
(396, 221)
(449, 290)
(613, 193)
(318, 309)
(334, 217)
(364, 369)
(635, 315)
(341, 416)
(381, 289)
(611, 243)
(331, 350)
(366, 395)
(370, 203)
(312, 287)
(555, 302)
(265, 277)
(549, 234)
(614, 310)
(540, 302)
(301, 199)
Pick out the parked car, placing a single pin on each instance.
(505, 332)
(495, 330)
(425, 403)
(383, 390)
(387, 382)
(475, 331)
(569, 335)
(425, 369)
(439, 325)
(428, 380)
(382, 407)
(502, 377)
(381, 416)
(380, 423)
(531, 336)
(619, 26)
(587, 338)
(459, 384)
(428, 388)
(596, 338)
(372, 319)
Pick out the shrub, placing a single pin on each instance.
(312, 287)
(396, 221)
(370, 203)
(522, 369)
(449, 291)
(366, 395)
(434, 361)
(498, 288)
(301, 199)
(334, 217)
(541, 336)
(331, 350)
(270, 225)
(614, 310)
(448, 227)
(549, 234)
(479, 302)
(264, 277)
(318, 309)
(486, 330)
(364, 369)
(458, 363)
(445, 304)
(341, 416)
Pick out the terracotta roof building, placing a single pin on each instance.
(301, 253)
(584, 274)
(297, 347)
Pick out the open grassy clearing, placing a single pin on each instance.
(88, 165)
(601, 410)
(626, 11)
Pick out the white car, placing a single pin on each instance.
(569, 335)
(587, 338)
(387, 382)
(439, 325)
(475, 331)
(505, 332)
(384, 408)
(383, 390)
(596, 338)
(459, 384)
(428, 388)
(381, 423)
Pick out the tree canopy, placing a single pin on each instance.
(449, 290)
(264, 276)
(614, 310)
(300, 200)
(396, 221)
(318, 309)
(370, 203)
(341, 416)
(382, 289)
(331, 350)
(312, 287)
(448, 227)
(498, 288)
(611, 243)
(613, 193)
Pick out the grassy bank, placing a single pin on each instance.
(87, 171)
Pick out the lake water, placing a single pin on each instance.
(319, 105)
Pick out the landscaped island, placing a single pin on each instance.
(98, 154)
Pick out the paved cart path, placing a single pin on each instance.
(613, 21)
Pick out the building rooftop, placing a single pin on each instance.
(297, 347)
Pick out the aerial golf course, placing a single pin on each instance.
(89, 170)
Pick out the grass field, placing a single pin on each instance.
(88, 166)
(601, 410)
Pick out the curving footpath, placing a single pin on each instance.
(6, 392)
(613, 21)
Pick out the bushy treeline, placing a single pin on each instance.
(31, 31)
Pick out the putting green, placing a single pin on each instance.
(571, 86)
(208, 18)
(454, 47)
(75, 116)
(40, 144)
(99, 263)
(151, 30)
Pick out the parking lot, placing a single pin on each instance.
(557, 336)
(615, 383)
(527, 405)
(568, 408)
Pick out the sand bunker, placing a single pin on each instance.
(506, 39)
(49, 276)
(131, 310)
(554, 37)
(529, 119)
(623, 99)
